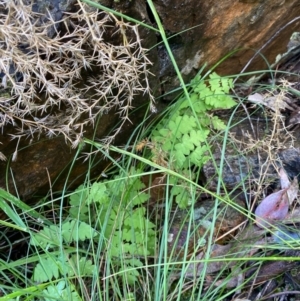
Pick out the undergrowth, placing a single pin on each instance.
(100, 242)
(106, 232)
(180, 141)
(103, 232)
(104, 244)
(103, 217)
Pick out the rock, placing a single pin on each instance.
(216, 30)
(196, 233)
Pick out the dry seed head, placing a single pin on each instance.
(40, 73)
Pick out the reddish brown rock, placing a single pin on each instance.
(219, 28)
(224, 27)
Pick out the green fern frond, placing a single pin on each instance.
(183, 138)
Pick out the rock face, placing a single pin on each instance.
(201, 32)
(218, 29)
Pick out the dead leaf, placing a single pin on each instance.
(294, 118)
(272, 208)
(273, 102)
(256, 98)
(284, 180)
(292, 188)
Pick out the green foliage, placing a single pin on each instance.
(121, 221)
(109, 214)
(60, 292)
(71, 231)
(183, 135)
(105, 229)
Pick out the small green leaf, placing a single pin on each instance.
(197, 156)
(201, 88)
(183, 198)
(217, 123)
(167, 145)
(131, 274)
(81, 267)
(54, 291)
(226, 102)
(184, 104)
(188, 142)
(137, 218)
(45, 270)
(140, 198)
(200, 106)
(215, 82)
(212, 101)
(98, 193)
(79, 196)
(60, 292)
(183, 148)
(227, 84)
(182, 125)
(75, 230)
(199, 136)
(164, 132)
(48, 237)
(180, 158)
(196, 80)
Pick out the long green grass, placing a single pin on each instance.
(69, 245)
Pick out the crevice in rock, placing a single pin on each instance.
(150, 14)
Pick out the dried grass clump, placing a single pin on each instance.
(42, 75)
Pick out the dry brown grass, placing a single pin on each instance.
(43, 75)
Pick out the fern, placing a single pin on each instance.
(182, 138)
(121, 221)
(109, 212)
(61, 292)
